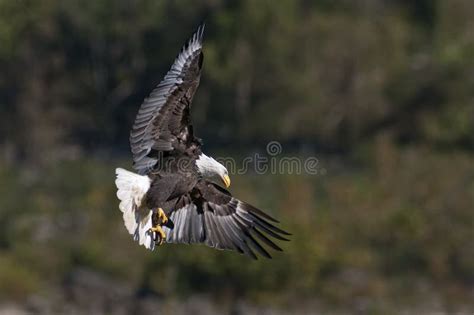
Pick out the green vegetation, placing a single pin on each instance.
(381, 92)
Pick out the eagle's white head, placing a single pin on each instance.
(210, 168)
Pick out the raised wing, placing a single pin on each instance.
(163, 122)
(220, 221)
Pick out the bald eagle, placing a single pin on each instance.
(173, 196)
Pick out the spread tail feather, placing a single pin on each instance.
(131, 188)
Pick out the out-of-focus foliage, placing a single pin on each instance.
(382, 92)
(74, 72)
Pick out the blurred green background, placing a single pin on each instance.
(380, 91)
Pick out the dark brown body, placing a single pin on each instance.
(174, 178)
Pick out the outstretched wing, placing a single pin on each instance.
(163, 122)
(217, 219)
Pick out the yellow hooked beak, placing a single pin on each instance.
(226, 180)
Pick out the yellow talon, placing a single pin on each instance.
(160, 220)
(161, 234)
(162, 216)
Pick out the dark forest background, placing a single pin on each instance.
(380, 91)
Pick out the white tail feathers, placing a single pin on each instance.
(131, 188)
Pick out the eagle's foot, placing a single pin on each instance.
(158, 222)
(162, 218)
(160, 235)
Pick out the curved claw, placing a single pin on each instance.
(160, 220)
(160, 235)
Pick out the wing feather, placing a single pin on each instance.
(163, 115)
(224, 222)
